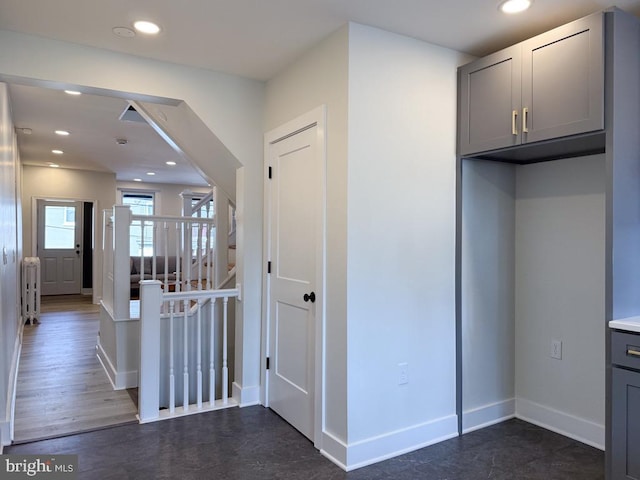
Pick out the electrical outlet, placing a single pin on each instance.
(403, 373)
(556, 349)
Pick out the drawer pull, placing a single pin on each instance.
(514, 125)
(634, 353)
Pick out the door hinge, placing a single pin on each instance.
(270, 172)
(267, 363)
(269, 267)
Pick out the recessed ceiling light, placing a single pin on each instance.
(72, 92)
(144, 26)
(57, 152)
(62, 133)
(170, 163)
(54, 165)
(151, 173)
(515, 6)
(137, 179)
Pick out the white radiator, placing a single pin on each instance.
(31, 289)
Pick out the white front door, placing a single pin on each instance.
(296, 252)
(59, 247)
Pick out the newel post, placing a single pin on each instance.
(149, 382)
(187, 203)
(121, 262)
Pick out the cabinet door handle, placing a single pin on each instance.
(514, 124)
(633, 352)
(525, 120)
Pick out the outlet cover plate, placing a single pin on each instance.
(556, 349)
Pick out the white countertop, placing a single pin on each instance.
(631, 324)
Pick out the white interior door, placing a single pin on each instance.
(295, 219)
(59, 247)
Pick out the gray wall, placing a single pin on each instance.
(560, 287)
(488, 292)
(533, 270)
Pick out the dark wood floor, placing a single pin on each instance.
(62, 387)
(254, 443)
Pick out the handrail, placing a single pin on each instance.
(227, 279)
(203, 201)
(173, 218)
(196, 294)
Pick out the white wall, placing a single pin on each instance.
(10, 258)
(560, 294)
(401, 237)
(320, 77)
(488, 292)
(52, 183)
(393, 180)
(230, 106)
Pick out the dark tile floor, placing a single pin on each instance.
(254, 443)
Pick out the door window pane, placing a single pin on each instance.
(59, 227)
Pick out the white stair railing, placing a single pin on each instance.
(196, 329)
(174, 259)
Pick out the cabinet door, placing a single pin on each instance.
(490, 102)
(625, 424)
(563, 81)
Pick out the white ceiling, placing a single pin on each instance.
(94, 125)
(251, 38)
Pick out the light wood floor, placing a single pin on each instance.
(62, 387)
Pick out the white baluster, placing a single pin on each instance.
(188, 255)
(185, 374)
(165, 239)
(199, 355)
(212, 371)
(208, 254)
(225, 369)
(154, 270)
(178, 257)
(142, 270)
(172, 380)
(199, 256)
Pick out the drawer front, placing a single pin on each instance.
(625, 349)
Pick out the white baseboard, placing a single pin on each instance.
(376, 449)
(5, 435)
(7, 423)
(488, 415)
(119, 380)
(334, 449)
(245, 396)
(86, 291)
(579, 429)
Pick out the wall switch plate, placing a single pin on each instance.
(403, 373)
(556, 349)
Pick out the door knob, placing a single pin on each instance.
(309, 297)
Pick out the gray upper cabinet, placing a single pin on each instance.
(547, 87)
(490, 97)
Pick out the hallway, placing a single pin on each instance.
(62, 388)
